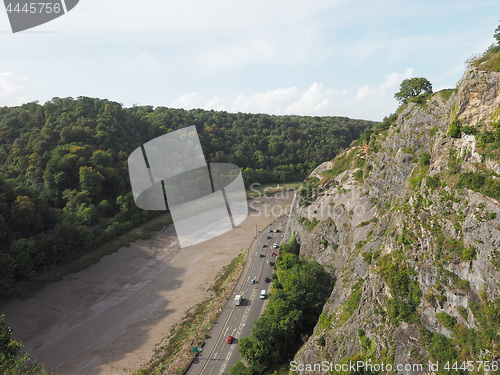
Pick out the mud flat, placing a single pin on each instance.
(108, 318)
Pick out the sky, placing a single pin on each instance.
(316, 58)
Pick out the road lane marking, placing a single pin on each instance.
(218, 340)
(252, 269)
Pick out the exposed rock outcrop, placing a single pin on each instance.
(412, 248)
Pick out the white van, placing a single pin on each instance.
(263, 294)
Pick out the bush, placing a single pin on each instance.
(492, 188)
(491, 216)
(472, 181)
(447, 320)
(352, 303)
(321, 341)
(433, 131)
(486, 137)
(405, 291)
(388, 121)
(441, 349)
(454, 130)
(240, 369)
(424, 158)
(367, 257)
(468, 130)
(432, 182)
(310, 225)
(325, 320)
(468, 253)
(358, 175)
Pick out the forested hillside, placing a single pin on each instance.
(63, 169)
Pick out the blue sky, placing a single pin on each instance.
(320, 57)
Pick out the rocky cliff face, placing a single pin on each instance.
(409, 223)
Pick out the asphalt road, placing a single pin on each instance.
(237, 321)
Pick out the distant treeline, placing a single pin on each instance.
(63, 168)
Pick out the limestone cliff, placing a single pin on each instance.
(409, 224)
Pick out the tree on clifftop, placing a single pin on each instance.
(412, 87)
(497, 35)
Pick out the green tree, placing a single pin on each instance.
(25, 219)
(412, 87)
(454, 130)
(8, 348)
(91, 181)
(101, 159)
(298, 293)
(497, 36)
(240, 369)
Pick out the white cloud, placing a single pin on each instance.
(314, 101)
(14, 89)
(192, 15)
(193, 100)
(368, 102)
(374, 102)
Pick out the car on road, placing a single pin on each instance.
(267, 280)
(270, 231)
(273, 254)
(264, 245)
(263, 294)
(268, 237)
(253, 281)
(271, 264)
(282, 236)
(229, 339)
(261, 255)
(275, 246)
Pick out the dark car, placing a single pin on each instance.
(264, 245)
(271, 264)
(267, 280)
(262, 255)
(229, 339)
(268, 237)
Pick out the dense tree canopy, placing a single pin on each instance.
(300, 289)
(63, 168)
